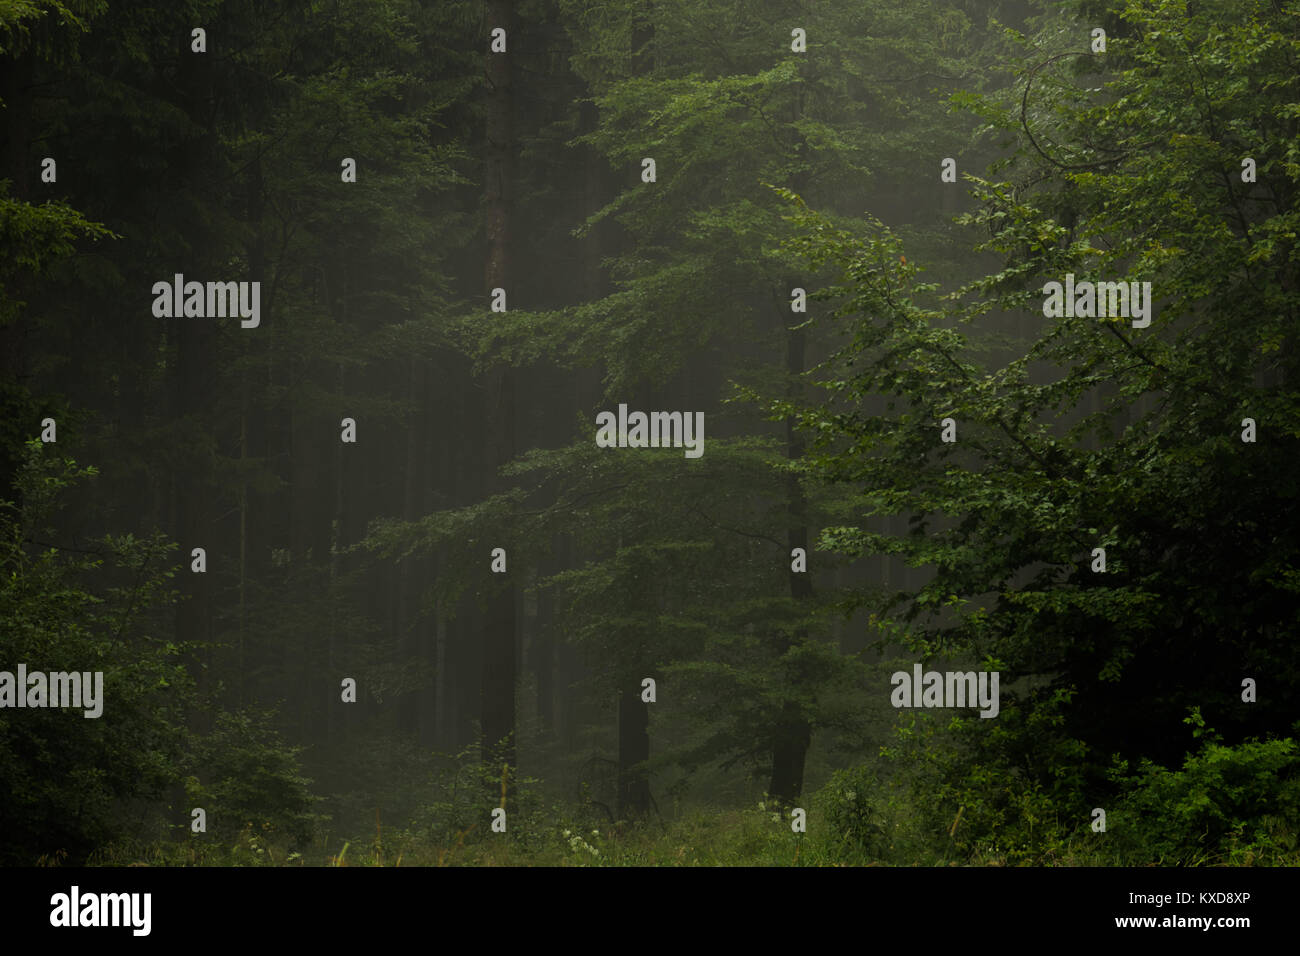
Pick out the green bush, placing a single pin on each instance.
(1227, 804)
(64, 778)
(462, 792)
(855, 828)
(252, 780)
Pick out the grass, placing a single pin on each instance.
(703, 837)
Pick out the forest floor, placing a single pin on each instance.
(706, 837)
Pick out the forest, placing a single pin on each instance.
(649, 432)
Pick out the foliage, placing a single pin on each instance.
(251, 779)
(1074, 433)
(852, 817)
(1235, 805)
(1090, 434)
(63, 776)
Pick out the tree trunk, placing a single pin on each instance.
(499, 642)
(793, 734)
(633, 751)
(192, 386)
(633, 714)
(410, 629)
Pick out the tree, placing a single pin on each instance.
(723, 107)
(499, 645)
(227, 165)
(1096, 433)
(65, 778)
(35, 235)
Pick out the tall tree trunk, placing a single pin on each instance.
(633, 715)
(409, 626)
(193, 385)
(499, 660)
(543, 654)
(792, 734)
(447, 467)
(255, 528)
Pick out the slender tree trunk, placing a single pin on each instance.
(792, 734)
(193, 385)
(254, 529)
(338, 723)
(499, 640)
(543, 655)
(633, 715)
(408, 615)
